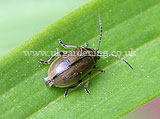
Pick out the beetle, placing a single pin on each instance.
(71, 67)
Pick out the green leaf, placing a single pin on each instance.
(126, 24)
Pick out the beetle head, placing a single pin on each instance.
(48, 82)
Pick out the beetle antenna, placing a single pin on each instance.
(100, 22)
(117, 57)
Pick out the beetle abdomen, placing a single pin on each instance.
(70, 68)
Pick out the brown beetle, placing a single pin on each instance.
(71, 67)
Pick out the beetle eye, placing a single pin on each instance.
(98, 57)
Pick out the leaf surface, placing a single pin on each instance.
(127, 25)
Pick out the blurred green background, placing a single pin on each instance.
(20, 20)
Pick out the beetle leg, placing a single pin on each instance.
(86, 85)
(66, 93)
(66, 46)
(49, 61)
(98, 69)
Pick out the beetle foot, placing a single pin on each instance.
(87, 91)
(66, 93)
(60, 41)
(102, 70)
(43, 62)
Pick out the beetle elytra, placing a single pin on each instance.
(71, 67)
